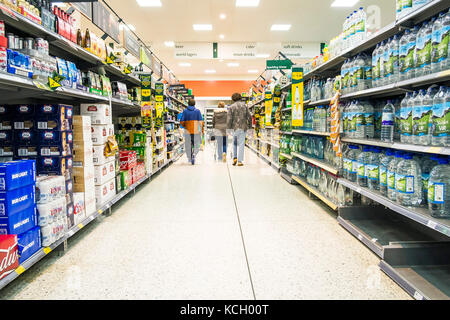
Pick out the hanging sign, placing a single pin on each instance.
(106, 21)
(194, 50)
(156, 68)
(130, 43)
(276, 99)
(268, 104)
(84, 7)
(146, 57)
(159, 103)
(54, 81)
(237, 50)
(300, 50)
(297, 97)
(278, 64)
(146, 98)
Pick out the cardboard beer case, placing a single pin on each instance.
(9, 255)
(29, 243)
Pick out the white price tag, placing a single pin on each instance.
(418, 296)
(432, 224)
(360, 237)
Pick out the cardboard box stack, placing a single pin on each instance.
(18, 206)
(104, 167)
(83, 172)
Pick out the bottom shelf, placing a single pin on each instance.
(274, 165)
(316, 192)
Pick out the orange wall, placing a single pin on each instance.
(220, 88)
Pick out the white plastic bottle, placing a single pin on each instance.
(439, 190)
(416, 113)
(404, 50)
(388, 123)
(440, 118)
(391, 191)
(408, 182)
(369, 120)
(423, 50)
(406, 118)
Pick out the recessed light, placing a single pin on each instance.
(202, 27)
(262, 55)
(149, 3)
(247, 3)
(210, 71)
(344, 3)
(253, 71)
(233, 64)
(222, 36)
(184, 64)
(223, 16)
(169, 44)
(281, 27)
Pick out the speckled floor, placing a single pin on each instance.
(180, 237)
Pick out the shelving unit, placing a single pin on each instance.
(315, 192)
(316, 162)
(312, 133)
(273, 164)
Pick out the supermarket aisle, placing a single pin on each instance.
(179, 237)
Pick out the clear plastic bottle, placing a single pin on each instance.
(369, 120)
(361, 162)
(427, 164)
(404, 51)
(438, 50)
(354, 153)
(391, 189)
(415, 111)
(406, 7)
(351, 114)
(440, 118)
(385, 159)
(347, 163)
(422, 117)
(423, 50)
(375, 66)
(360, 123)
(388, 122)
(361, 82)
(406, 117)
(384, 58)
(408, 182)
(394, 53)
(397, 131)
(378, 117)
(411, 57)
(372, 169)
(345, 119)
(362, 28)
(439, 190)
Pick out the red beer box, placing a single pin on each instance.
(9, 255)
(127, 160)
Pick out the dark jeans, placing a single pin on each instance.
(222, 142)
(192, 144)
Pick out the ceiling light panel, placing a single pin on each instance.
(223, 16)
(233, 64)
(210, 71)
(170, 44)
(247, 3)
(149, 3)
(253, 71)
(184, 64)
(202, 27)
(344, 3)
(281, 27)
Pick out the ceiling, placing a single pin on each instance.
(312, 21)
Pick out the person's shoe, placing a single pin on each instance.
(240, 164)
(193, 160)
(234, 161)
(224, 157)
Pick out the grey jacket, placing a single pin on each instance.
(239, 117)
(220, 122)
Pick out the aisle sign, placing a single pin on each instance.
(278, 64)
(106, 21)
(54, 81)
(297, 97)
(268, 104)
(130, 43)
(146, 57)
(194, 50)
(276, 98)
(84, 7)
(237, 50)
(300, 50)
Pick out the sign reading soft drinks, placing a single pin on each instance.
(297, 97)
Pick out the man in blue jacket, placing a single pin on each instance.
(192, 121)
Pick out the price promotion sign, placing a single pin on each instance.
(269, 105)
(159, 103)
(297, 97)
(146, 98)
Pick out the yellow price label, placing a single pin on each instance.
(159, 98)
(268, 96)
(297, 75)
(47, 250)
(146, 92)
(20, 270)
(53, 84)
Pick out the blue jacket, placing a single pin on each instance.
(191, 120)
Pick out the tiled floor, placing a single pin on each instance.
(182, 236)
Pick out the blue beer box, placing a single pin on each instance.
(55, 143)
(25, 137)
(16, 174)
(17, 200)
(24, 123)
(6, 138)
(24, 110)
(60, 111)
(29, 243)
(54, 165)
(4, 111)
(20, 222)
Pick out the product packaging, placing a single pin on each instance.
(28, 244)
(99, 113)
(100, 134)
(19, 222)
(49, 188)
(105, 192)
(16, 174)
(14, 201)
(79, 207)
(49, 212)
(104, 173)
(99, 157)
(9, 255)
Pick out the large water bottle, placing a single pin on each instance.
(384, 163)
(375, 66)
(406, 7)
(439, 190)
(394, 54)
(388, 122)
(372, 169)
(408, 182)
(384, 59)
(423, 50)
(351, 115)
(406, 117)
(354, 156)
(416, 109)
(369, 120)
(361, 163)
(404, 51)
(427, 164)
(351, 85)
(392, 168)
(378, 118)
(440, 118)
(411, 58)
(347, 161)
(360, 122)
(397, 131)
(438, 50)
(422, 113)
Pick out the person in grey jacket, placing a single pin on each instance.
(219, 123)
(239, 121)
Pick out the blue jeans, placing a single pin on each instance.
(239, 145)
(192, 144)
(222, 142)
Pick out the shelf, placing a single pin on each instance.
(286, 156)
(177, 100)
(317, 162)
(272, 164)
(400, 146)
(271, 143)
(315, 192)
(286, 133)
(313, 133)
(286, 109)
(420, 215)
(320, 102)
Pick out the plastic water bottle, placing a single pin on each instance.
(372, 169)
(423, 50)
(438, 50)
(439, 190)
(384, 59)
(406, 118)
(427, 164)
(416, 109)
(375, 65)
(347, 163)
(391, 190)
(384, 163)
(444, 47)
(403, 58)
(351, 115)
(398, 9)
(423, 108)
(369, 120)
(397, 103)
(361, 162)
(394, 53)
(416, 4)
(440, 118)
(360, 123)
(411, 57)
(406, 7)
(388, 122)
(354, 153)
(378, 118)
(362, 29)
(408, 182)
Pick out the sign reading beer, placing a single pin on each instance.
(297, 96)
(268, 104)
